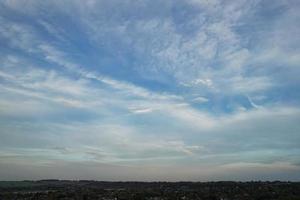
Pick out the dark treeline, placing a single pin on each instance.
(96, 190)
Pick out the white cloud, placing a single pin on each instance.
(141, 110)
(127, 124)
(200, 99)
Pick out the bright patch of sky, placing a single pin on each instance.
(150, 89)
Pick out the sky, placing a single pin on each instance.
(150, 90)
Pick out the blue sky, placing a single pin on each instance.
(150, 90)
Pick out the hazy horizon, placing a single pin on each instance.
(150, 90)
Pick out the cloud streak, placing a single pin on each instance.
(183, 90)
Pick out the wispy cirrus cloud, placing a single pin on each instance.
(179, 85)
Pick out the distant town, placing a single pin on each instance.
(99, 190)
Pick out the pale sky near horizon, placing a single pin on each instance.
(169, 90)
